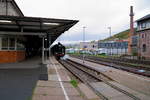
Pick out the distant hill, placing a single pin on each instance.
(119, 36)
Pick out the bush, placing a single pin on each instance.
(102, 54)
(135, 54)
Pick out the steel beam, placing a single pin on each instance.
(21, 33)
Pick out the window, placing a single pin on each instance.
(144, 47)
(142, 35)
(20, 45)
(119, 44)
(115, 45)
(93, 46)
(7, 43)
(143, 25)
(126, 45)
(11, 43)
(135, 40)
(4, 43)
(148, 24)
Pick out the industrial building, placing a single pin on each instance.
(143, 35)
(139, 39)
(22, 37)
(114, 47)
(89, 45)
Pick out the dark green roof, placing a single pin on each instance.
(144, 18)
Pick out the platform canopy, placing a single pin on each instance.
(16, 25)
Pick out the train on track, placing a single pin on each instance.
(58, 50)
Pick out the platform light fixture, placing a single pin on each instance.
(5, 21)
(55, 24)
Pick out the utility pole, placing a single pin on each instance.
(110, 37)
(109, 31)
(83, 43)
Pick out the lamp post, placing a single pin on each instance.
(110, 43)
(110, 36)
(109, 31)
(46, 46)
(83, 42)
(43, 48)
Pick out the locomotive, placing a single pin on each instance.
(58, 50)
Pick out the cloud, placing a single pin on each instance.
(96, 15)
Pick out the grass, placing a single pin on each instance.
(74, 53)
(120, 36)
(74, 83)
(101, 55)
(29, 98)
(44, 94)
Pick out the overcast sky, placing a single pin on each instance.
(95, 15)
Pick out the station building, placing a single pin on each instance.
(22, 37)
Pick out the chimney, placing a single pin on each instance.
(131, 33)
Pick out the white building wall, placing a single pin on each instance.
(89, 45)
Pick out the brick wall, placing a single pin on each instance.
(11, 56)
(144, 39)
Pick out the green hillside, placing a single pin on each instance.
(119, 36)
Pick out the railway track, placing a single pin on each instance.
(88, 75)
(123, 62)
(135, 70)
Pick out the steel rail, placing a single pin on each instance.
(69, 67)
(124, 68)
(77, 65)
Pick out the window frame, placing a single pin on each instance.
(143, 25)
(5, 48)
(144, 48)
(9, 48)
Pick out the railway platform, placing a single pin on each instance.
(17, 80)
(135, 84)
(58, 86)
(31, 63)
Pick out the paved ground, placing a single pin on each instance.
(17, 81)
(89, 94)
(57, 87)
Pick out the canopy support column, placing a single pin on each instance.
(49, 46)
(43, 50)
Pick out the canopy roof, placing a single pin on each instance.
(16, 25)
